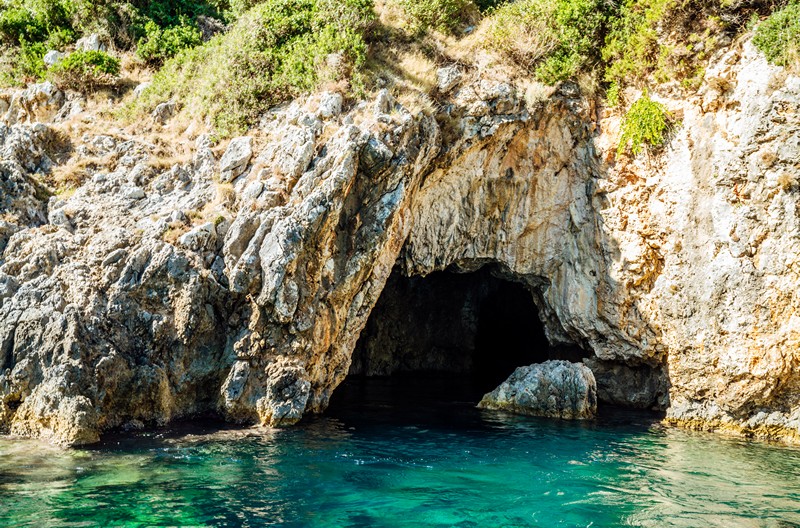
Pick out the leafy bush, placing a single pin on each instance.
(22, 64)
(553, 38)
(162, 26)
(160, 44)
(646, 124)
(444, 15)
(17, 23)
(85, 71)
(778, 37)
(275, 51)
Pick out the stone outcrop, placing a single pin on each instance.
(153, 294)
(553, 389)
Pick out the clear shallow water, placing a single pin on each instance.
(412, 464)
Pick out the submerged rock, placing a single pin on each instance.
(553, 389)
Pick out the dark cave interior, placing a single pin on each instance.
(450, 335)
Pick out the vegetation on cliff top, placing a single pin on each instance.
(269, 51)
(29, 28)
(276, 50)
(555, 39)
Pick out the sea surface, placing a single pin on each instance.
(406, 456)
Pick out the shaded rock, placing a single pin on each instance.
(553, 389)
(209, 27)
(641, 387)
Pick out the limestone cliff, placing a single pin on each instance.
(156, 293)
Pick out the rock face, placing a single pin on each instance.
(553, 389)
(153, 294)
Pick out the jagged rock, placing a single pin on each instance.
(140, 88)
(675, 273)
(330, 105)
(553, 389)
(90, 43)
(164, 112)
(200, 238)
(448, 77)
(52, 57)
(236, 157)
(39, 102)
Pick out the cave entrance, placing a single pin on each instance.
(447, 336)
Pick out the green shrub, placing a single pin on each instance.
(778, 37)
(274, 52)
(240, 7)
(85, 71)
(443, 15)
(168, 13)
(160, 44)
(646, 124)
(18, 23)
(554, 39)
(663, 40)
(22, 64)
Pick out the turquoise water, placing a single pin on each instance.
(375, 462)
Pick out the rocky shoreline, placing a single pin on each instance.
(238, 282)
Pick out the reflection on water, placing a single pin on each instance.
(445, 465)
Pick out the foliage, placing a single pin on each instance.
(443, 15)
(34, 20)
(552, 38)
(638, 48)
(275, 51)
(778, 37)
(161, 27)
(85, 71)
(646, 124)
(160, 44)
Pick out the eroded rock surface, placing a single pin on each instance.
(553, 389)
(156, 293)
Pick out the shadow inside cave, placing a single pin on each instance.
(448, 336)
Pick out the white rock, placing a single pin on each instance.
(164, 111)
(330, 105)
(52, 57)
(140, 88)
(200, 238)
(383, 102)
(132, 192)
(448, 77)
(91, 43)
(236, 157)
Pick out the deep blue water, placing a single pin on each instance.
(381, 459)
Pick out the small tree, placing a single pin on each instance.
(646, 124)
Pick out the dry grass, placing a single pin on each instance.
(75, 172)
